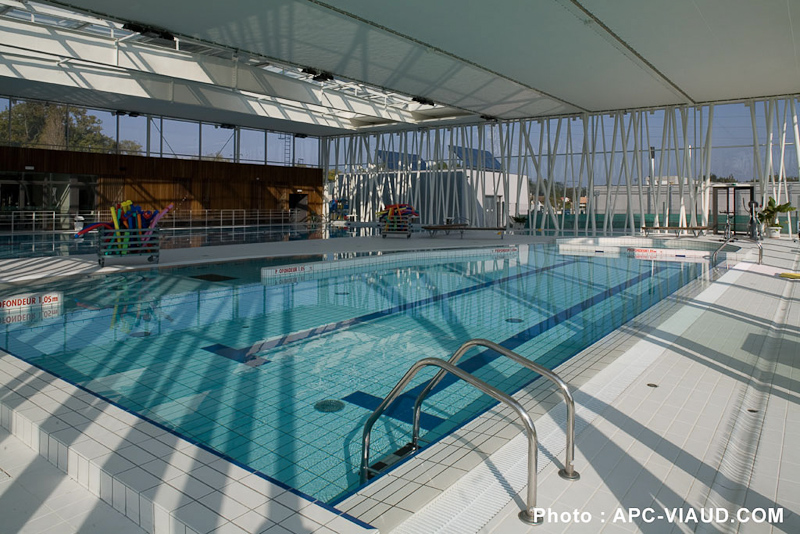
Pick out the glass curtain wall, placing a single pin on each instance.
(35, 124)
(585, 174)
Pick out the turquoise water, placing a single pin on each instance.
(237, 362)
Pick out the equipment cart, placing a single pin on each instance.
(396, 225)
(129, 242)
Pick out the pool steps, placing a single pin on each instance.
(161, 482)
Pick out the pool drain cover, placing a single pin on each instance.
(329, 406)
(513, 320)
(342, 292)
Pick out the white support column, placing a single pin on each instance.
(757, 154)
(552, 151)
(684, 168)
(625, 134)
(707, 190)
(591, 201)
(796, 128)
(767, 177)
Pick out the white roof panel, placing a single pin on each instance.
(506, 58)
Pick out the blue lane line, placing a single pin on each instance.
(402, 407)
(332, 327)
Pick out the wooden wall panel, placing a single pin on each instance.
(189, 184)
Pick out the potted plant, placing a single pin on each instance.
(769, 216)
(518, 221)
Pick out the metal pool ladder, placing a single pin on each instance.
(758, 242)
(568, 472)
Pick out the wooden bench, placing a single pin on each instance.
(677, 229)
(447, 228)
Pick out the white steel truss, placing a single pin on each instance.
(32, 29)
(589, 174)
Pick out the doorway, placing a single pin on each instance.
(299, 202)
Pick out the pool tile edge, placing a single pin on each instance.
(159, 494)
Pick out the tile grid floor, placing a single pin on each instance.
(662, 447)
(36, 497)
(159, 481)
(489, 423)
(407, 489)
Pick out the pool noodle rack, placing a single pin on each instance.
(129, 242)
(397, 225)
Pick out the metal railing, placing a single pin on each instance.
(33, 221)
(714, 255)
(530, 430)
(758, 243)
(17, 221)
(568, 472)
(232, 218)
(528, 515)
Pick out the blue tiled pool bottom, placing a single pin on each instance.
(239, 366)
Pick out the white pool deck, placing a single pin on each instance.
(719, 432)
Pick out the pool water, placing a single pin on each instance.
(279, 373)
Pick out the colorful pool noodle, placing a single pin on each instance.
(94, 226)
(114, 218)
(397, 209)
(127, 215)
(154, 221)
(159, 215)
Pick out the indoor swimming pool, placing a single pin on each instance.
(277, 364)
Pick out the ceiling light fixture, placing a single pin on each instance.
(148, 31)
(323, 77)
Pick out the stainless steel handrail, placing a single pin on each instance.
(528, 515)
(568, 472)
(714, 256)
(760, 251)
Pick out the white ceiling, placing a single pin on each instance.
(504, 59)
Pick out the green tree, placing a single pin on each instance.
(216, 156)
(721, 179)
(49, 125)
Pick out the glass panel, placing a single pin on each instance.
(181, 139)
(132, 135)
(306, 151)
(732, 164)
(155, 137)
(5, 115)
(218, 142)
(733, 126)
(251, 146)
(37, 124)
(92, 130)
(279, 148)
